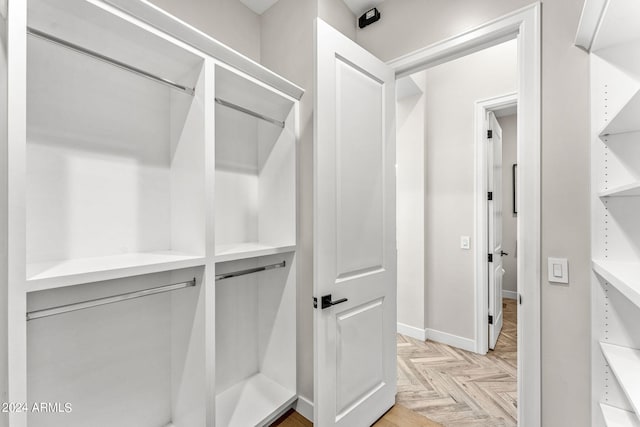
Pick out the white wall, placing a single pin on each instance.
(339, 16)
(410, 133)
(287, 48)
(228, 21)
(410, 24)
(452, 90)
(509, 220)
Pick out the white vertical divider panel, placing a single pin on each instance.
(210, 241)
(3, 210)
(192, 331)
(16, 137)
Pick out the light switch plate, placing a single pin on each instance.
(465, 242)
(558, 270)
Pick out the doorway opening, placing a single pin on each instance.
(496, 220)
(521, 27)
(439, 167)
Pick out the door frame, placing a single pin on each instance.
(482, 107)
(523, 25)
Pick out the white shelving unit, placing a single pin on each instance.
(144, 159)
(609, 31)
(255, 169)
(255, 227)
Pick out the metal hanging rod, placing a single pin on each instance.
(250, 271)
(249, 112)
(79, 49)
(37, 314)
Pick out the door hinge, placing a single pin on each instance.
(520, 299)
(490, 195)
(315, 302)
(489, 134)
(490, 257)
(490, 319)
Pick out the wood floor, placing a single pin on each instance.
(458, 388)
(451, 387)
(398, 416)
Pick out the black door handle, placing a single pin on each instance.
(503, 253)
(325, 301)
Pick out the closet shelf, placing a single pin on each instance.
(617, 22)
(624, 276)
(625, 364)
(255, 401)
(614, 417)
(50, 275)
(626, 190)
(627, 118)
(233, 252)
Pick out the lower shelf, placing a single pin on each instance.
(252, 402)
(71, 272)
(625, 364)
(614, 417)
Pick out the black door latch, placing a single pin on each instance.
(325, 302)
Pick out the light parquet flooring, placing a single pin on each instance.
(459, 388)
(453, 387)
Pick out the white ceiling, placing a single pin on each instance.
(358, 7)
(259, 6)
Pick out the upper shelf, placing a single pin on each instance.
(627, 190)
(50, 275)
(625, 364)
(169, 24)
(627, 119)
(606, 23)
(249, 250)
(624, 276)
(92, 27)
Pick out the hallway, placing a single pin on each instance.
(458, 388)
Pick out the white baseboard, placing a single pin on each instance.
(452, 340)
(509, 294)
(305, 408)
(412, 331)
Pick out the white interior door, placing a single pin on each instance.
(354, 233)
(496, 271)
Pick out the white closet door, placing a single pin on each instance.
(354, 240)
(496, 270)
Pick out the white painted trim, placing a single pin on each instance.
(509, 294)
(490, 34)
(412, 331)
(525, 25)
(481, 285)
(304, 407)
(16, 60)
(449, 339)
